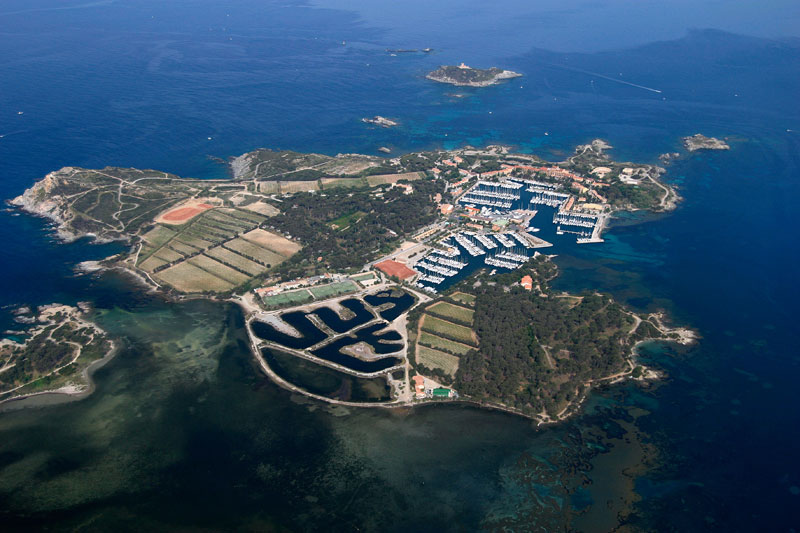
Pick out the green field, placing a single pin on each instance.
(346, 220)
(440, 343)
(167, 254)
(330, 183)
(287, 299)
(183, 248)
(464, 298)
(232, 258)
(218, 269)
(247, 248)
(449, 311)
(158, 235)
(436, 359)
(333, 289)
(448, 330)
(366, 276)
(384, 179)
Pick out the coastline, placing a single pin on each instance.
(687, 336)
(66, 394)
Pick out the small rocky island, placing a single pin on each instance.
(380, 121)
(463, 75)
(701, 142)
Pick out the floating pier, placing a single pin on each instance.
(505, 241)
(570, 218)
(493, 194)
(471, 249)
(537, 184)
(547, 197)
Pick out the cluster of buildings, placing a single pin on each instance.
(421, 391)
(297, 283)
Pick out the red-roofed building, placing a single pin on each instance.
(395, 269)
(527, 283)
(419, 386)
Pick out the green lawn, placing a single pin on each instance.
(333, 289)
(288, 299)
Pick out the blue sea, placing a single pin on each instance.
(185, 432)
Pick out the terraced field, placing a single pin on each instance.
(440, 343)
(464, 298)
(271, 241)
(448, 311)
(232, 258)
(217, 250)
(255, 252)
(441, 340)
(448, 330)
(383, 179)
(436, 359)
(186, 277)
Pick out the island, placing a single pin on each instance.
(386, 281)
(464, 75)
(701, 142)
(380, 121)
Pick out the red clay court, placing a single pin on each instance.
(393, 268)
(182, 214)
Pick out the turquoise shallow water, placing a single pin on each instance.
(184, 430)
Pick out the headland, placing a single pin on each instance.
(403, 280)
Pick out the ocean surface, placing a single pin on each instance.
(184, 431)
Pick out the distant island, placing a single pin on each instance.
(701, 142)
(463, 75)
(405, 280)
(380, 121)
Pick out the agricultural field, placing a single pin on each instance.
(151, 263)
(448, 311)
(186, 277)
(440, 343)
(236, 260)
(329, 183)
(288, 187)
(269, 187)
(195, 242)
(218, 269)
(331, 290)
(230, 250)
(183, 248)
(448, 330)
(276, 243)
(260, 254)
(436, 359)
(464, 298)
(262, 208)
(159, 235)
(167, 254)
(384, 179)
